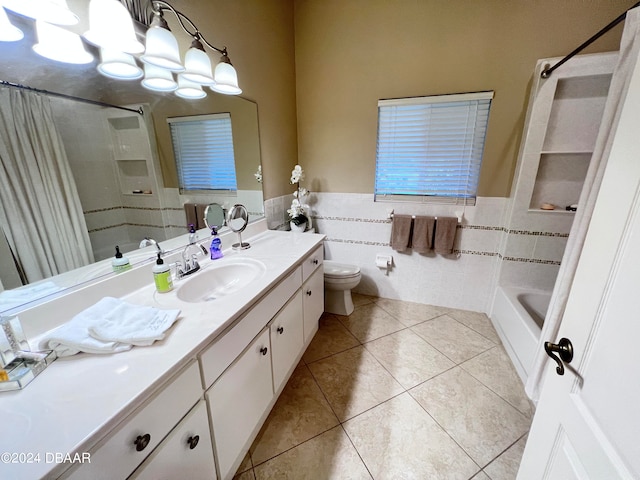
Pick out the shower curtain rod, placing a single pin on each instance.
(69, 97)
(547, 70)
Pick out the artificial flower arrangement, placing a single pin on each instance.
(298, 210)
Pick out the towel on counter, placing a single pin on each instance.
(110, 326)
(445, 234)
(401, 232)
(422, 239)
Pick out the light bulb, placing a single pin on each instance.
(59, 44)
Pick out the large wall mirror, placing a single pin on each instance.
(122, 162)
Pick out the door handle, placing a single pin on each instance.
(564, 349)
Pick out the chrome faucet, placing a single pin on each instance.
(146, 241)
(189, 260)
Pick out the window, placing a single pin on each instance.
(430, 148)
(203, 148)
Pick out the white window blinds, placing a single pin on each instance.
(203, 148)
(430, 148)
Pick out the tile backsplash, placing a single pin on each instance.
(487, 252)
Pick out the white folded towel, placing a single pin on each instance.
(109, 326)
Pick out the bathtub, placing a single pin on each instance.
(518, 315)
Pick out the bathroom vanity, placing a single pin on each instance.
(188, 406)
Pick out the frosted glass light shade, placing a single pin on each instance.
(119, 65)
(8, 31)
(162, 50)
(197, 67)
(59, 44)
(111, 27)
(226, 79)
(189, 89)
(158, 79)
(51, 11)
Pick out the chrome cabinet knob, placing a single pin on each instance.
(309, 293)
(264, 350)
(280, 330)
(315, 261)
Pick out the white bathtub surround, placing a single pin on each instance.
(518, 315)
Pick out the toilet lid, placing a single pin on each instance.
(340, 270)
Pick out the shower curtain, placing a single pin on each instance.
(40, 212)
(628, 57)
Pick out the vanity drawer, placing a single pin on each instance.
(216, 358)
(312, 262)
(117, 455)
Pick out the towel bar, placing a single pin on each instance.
(458, 214)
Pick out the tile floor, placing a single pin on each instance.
(396, 390)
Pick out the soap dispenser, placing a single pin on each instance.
(162, 276)
(119, 262)
(216, 244)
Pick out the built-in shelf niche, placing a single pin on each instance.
(560, 179)
(134, 176)
(570, 137)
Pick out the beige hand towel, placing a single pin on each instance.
(200, 207)
(422, 239)
(445, 234)
(401, 232)
(190, 212)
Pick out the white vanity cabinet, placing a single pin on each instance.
(286, 332)
(186, 453)
(313, 303)
(118, 455)
(238, 400)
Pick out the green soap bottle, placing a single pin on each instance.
(162, 276)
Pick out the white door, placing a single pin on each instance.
(587, 424)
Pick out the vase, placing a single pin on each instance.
(298, 228)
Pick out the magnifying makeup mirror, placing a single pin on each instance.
(237, 220)
(214, 216)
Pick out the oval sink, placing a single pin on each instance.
(220, 281)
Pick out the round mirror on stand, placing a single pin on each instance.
(237, 221)
(214, 216)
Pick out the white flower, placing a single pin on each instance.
(297, 174)
(258, 174)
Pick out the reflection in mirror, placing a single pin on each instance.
(237, 220)
(122, 165)
(214, 216)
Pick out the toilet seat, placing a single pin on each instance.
(340, 270)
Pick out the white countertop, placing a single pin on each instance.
(79, 399)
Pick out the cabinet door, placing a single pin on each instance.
(237, 402)
(186, 453)
(286, 340)
(313, 303)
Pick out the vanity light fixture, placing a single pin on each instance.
(118, 65)
(59, 44)
(8, 31)
(113, 27)
(50, 11)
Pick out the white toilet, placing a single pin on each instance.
(339, 279)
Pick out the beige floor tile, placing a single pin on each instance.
(359, 299)
(398, 439)
(476, 321)
(248, 475)
(480, 476)
(409, 313)
(478, 420)
(245, 465)
(457, 342)
(354, 381)
(329, 456)
(369, 322)
(505, 467)
(300, 413)
(332, 337)
(495, 370)
(408, 357)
